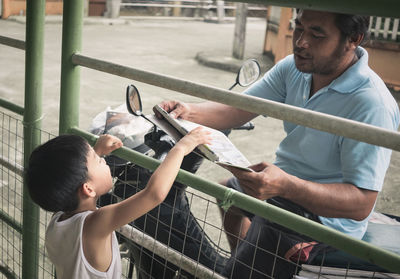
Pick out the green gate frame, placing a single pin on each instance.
(69, 121)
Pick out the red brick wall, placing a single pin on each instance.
(17, 7)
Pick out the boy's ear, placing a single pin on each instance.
(88, 190)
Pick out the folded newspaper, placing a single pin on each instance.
(221, 151)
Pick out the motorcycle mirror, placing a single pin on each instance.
(133, 101)
(248, 73)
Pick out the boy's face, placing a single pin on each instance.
(99, 173)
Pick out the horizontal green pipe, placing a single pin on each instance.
(388, 8)
(138, 158)
(312, 119)
(8, 273)
(319, 232)
(14, 167)
(12, 107)
(12, 42)
(10, 221)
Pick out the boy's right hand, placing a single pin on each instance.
(194, 138)
(106, 144)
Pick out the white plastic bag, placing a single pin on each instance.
(130, 129)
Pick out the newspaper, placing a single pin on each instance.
(221, 150)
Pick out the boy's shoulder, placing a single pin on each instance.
(60, 219)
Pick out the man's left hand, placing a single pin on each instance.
(265, 182)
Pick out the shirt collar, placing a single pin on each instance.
(354, 77)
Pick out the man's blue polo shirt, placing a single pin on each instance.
(358, 94)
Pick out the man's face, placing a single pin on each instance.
(317, 44)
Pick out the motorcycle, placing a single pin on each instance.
(172, 222)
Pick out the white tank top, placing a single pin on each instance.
(64, 248)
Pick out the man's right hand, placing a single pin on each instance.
(176, 109)
(211, 114)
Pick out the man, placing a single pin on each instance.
(321, 176)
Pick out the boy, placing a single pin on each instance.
(67, 176)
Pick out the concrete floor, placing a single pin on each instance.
(163, 46)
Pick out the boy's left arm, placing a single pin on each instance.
(111, 217)
(106, 144)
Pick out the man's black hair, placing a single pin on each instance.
(56, 170)
(351, 26)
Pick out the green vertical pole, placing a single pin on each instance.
(70, 74)
(35, 12)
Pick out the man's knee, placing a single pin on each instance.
(224, 182)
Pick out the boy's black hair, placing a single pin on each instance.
(56, 170)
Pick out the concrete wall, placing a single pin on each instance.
(384, 59)
(18, 7)
(278, 36)
(384, 56)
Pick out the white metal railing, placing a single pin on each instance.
(385, 28)
(168, 253)
(191, 4)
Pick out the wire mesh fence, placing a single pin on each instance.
(11, 192)
(11, 189)
(186, 222)
(181, 238)
(172, 226)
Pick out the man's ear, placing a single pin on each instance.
(88, 190)
(355, 41)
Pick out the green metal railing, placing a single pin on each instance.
(321, 121)
(31, 112)
(32, 124)
(357, 248)
(69, 122)
(12, 107)
(70, 73)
